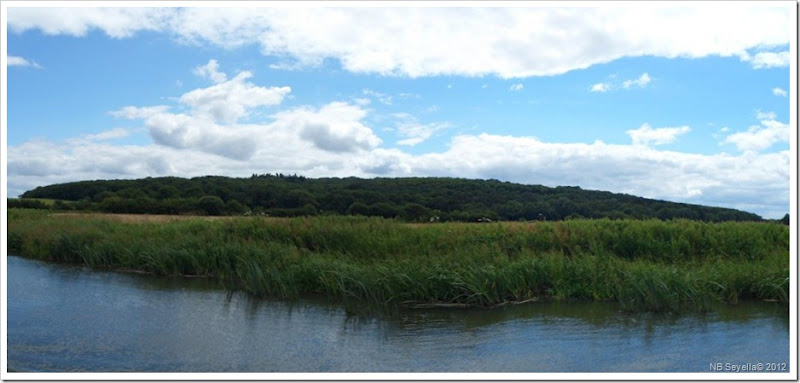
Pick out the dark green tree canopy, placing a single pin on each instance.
(412, 199)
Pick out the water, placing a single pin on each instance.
(67, 318)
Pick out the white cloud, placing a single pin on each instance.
(210, 71)
(183, 131)
(21, 61)
(226, 102)
(640, 82)
(211, 125)
(190, 131)
(292, 134)
(134, 112)
(381, 97)
(506, 42)
(385, 162)
(115, 22)
(760, 137)
(779, 92)
(763, 60)
(362, 101)
(601, 87)
(757, 182)
(108, 135)
(92, 160)
(332, 140)
(230, 101)
(646, 135)
(516, 87)
(414, 132)
(765, 115)
(335, 127)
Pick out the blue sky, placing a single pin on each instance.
(610, 98)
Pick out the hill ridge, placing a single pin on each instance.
(407, 198)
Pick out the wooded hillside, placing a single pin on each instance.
(410, 199)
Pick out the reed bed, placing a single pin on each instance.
(643, 265)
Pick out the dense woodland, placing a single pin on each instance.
(409, 199)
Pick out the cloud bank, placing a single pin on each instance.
(220, 129)
(334, 140)
(717, 180)
(760, 137)
(504, 42)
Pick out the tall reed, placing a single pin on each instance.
(644, 265)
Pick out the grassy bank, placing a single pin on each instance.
(644, 265)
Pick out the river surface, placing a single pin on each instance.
(70, 318)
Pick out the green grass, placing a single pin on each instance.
(643, 265)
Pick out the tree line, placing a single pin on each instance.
(410, 199)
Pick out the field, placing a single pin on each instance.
(643, 265)
(49, 202)
(140, 218)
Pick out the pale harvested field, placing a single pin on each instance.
(135, 218)
(150, 218)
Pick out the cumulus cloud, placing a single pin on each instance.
(40, 162)
(757, 182)
(211, 71)
(719, 180)
(516, 87)
(225, 102)
(21, 61)
(309, 141)
(191, 132)
(211, 124)
(333, 140)
(335, 127)
(646, 135)
(600, 87)
(505, 42)
(229, 101)
(779, 92)
(385, 162)
(760, 137)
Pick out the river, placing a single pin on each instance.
(70, 318)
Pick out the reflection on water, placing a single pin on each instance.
(66, 318)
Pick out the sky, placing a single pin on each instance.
(685, 101)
